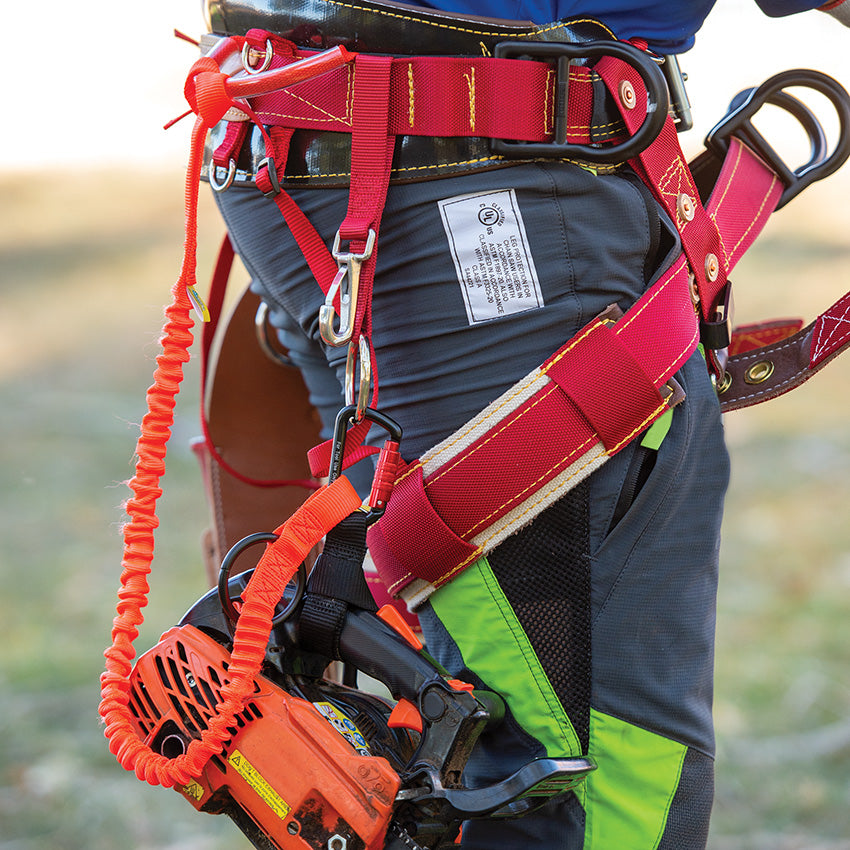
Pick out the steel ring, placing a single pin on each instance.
(246, 63)
(227, 606)
(228, 180)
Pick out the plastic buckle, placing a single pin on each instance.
(717, 333)
(567, 55)
(737, 122)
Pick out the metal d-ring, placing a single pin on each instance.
(267, 61)
(264, 337)
(227, 606)
(228, 180)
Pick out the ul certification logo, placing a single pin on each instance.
(491, 215)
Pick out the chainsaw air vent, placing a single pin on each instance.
(177, 680)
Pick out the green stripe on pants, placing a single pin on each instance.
(477, 615)
(627, 798)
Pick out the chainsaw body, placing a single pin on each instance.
(314, 764)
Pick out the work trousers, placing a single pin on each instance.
(596, 621)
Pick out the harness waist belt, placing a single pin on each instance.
(319, 156)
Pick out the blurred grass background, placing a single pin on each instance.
(87, 258)
(85, 275)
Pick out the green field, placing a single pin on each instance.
(86, 265)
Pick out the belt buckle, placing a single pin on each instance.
(565, 55)
(737, 122)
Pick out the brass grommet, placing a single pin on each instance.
(759, 372)
(685, 207)
(712, 267)
(724, 383)
(627, 94)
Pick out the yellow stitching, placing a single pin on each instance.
(520, 387)
(485, 51)
(691, 341)
(739, 150)
(473, 557)
(343, 120)
(410, 92)
(504, 423)
(621, 326)
(773, 181)
(550, 110)
(417, 465)
(576, 340)
(524, 34)
(470, 83)
(593, 439)
(638, 429)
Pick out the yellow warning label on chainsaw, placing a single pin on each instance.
(193, 790)
(262, 788)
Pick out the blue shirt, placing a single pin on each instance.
(669, 25)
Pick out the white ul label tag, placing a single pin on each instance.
(490, 250)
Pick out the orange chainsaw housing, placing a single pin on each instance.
(286, 772)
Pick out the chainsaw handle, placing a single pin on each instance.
(377, 650)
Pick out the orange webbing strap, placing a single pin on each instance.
(297, 536)
(208, 95)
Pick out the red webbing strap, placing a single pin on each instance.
(663, 168)
(742, 200)
(371, 160)
(547, 437)
(608, 385)
(447, 96)
(316, 253)
(231, 144)
(554, 439)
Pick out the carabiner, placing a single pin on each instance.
(737, 123)
(388, 460)
(346, 282)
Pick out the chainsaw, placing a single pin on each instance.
(312, 762)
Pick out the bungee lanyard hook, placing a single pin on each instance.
(346, 283)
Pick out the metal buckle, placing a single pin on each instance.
(566, 55)
(737, 122)
(347, 283)
(267, 55)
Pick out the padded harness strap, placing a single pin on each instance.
(600, 389)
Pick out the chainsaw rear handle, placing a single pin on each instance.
(738, 122)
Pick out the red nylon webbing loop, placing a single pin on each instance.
(607, 384)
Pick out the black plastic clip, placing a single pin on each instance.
(716, 334)
(737, 122)
(567, 54)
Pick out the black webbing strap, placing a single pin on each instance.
(336, 584)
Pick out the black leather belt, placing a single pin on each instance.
(323, 158)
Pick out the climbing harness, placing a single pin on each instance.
(235, 695)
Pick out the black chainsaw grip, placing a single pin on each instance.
(371, 646)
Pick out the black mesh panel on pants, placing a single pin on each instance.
(687, 821)
(544, 571)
